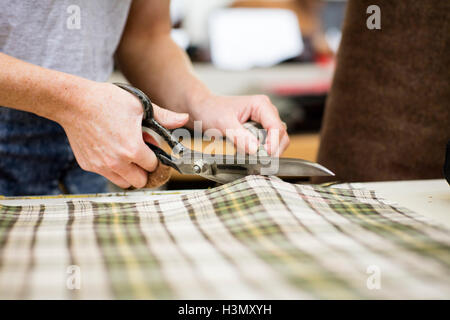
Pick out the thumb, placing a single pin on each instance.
(169, 119)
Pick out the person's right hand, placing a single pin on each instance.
(105, 134)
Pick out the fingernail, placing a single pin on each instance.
(272, 150)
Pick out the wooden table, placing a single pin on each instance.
(303, 146)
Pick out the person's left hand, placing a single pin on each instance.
(229, 113)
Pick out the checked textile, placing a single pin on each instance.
(254, 238)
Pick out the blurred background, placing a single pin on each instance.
(282, 48)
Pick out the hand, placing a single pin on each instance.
(228, 114)
(105, 134)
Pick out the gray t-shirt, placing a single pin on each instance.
(73, 36)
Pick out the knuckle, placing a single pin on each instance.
(97, 166)
(154, 165)
(275, 110)
(263, 99)
(113, 164)
(131, 152)
(83, 165)
(163, 115)
(288, 140)
(91, 166)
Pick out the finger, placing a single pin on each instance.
(284, 142)
(116, 179)
(170, 119)
(277, 141)
(267, 115)
(133, 174)
(145, 158)
(243, 139)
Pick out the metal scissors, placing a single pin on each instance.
(222, 168)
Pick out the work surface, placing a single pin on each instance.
(254, 238)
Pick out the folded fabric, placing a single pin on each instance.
(254, 238)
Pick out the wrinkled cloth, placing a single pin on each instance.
(254, 238)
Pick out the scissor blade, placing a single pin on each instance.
(227, 168)
(286, 167)
(297, 167)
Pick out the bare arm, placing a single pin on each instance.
(154, 63)
(151, 61)
(102, 121)
(47, 93)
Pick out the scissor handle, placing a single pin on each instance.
(145, 101)
(260, 133)
(149, 121)
(162, 156)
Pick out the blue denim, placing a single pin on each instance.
(36, 158)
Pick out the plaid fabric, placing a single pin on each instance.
(254, 238)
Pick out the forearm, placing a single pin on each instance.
(47, 93)
(161, 69)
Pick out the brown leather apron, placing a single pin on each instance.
(388, 113)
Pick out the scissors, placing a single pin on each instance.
(222, 168)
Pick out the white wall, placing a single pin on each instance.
(195, 13)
